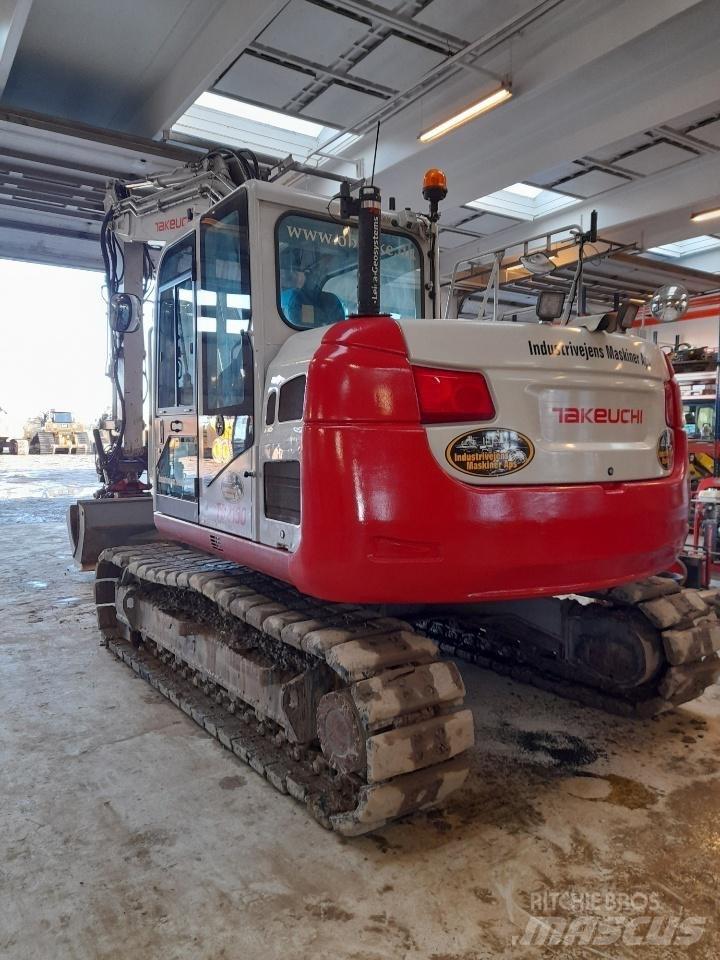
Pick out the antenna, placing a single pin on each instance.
(377, 137)
(368, 212)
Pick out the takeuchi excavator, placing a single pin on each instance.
(345, 486)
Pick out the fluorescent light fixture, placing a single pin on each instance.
(705, 215)
(524, 190)
(482, 106)
(248, 111)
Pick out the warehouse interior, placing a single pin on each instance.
(432, 289)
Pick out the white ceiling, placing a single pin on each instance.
(396, 62)
(338, 104)
(250, 75)
(614, 103)
(312, 32)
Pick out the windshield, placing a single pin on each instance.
(699, 419)
(317, 266)
(59, 417)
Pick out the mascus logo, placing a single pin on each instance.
(598, 414)
(173, 223)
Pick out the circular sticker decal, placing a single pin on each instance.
(222, 451)
(494, 452)
(665, 451)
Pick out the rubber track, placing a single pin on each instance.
(252, 741)
(529, 664)
(534, 673)
(348, 803)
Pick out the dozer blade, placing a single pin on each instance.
(95, 525)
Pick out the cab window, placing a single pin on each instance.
(176, 328)
(317, 270)
(700, 420)
(224, 310)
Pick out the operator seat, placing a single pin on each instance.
(305, 308)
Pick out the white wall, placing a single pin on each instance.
(704, 332)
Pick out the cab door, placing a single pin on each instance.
(226, 432)
(175, 426)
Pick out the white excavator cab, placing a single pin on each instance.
(265, 269)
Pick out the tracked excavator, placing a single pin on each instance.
(346, 486)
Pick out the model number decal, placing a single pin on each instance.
(599, 414)
(494, 452)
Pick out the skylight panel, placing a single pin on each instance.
(248, 111)
(524, 190)
(685, 248)
(235, 123)
(523, 201)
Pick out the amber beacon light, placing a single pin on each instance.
(435, 181)
(482, 106)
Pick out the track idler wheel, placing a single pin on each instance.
(618, 651)
(341, 734)
(396, 722)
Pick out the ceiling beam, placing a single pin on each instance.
(95, 136)
(612, 26)
(13, 17)
(57, 247)
(50, 209)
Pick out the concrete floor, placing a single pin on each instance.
(126, 832)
